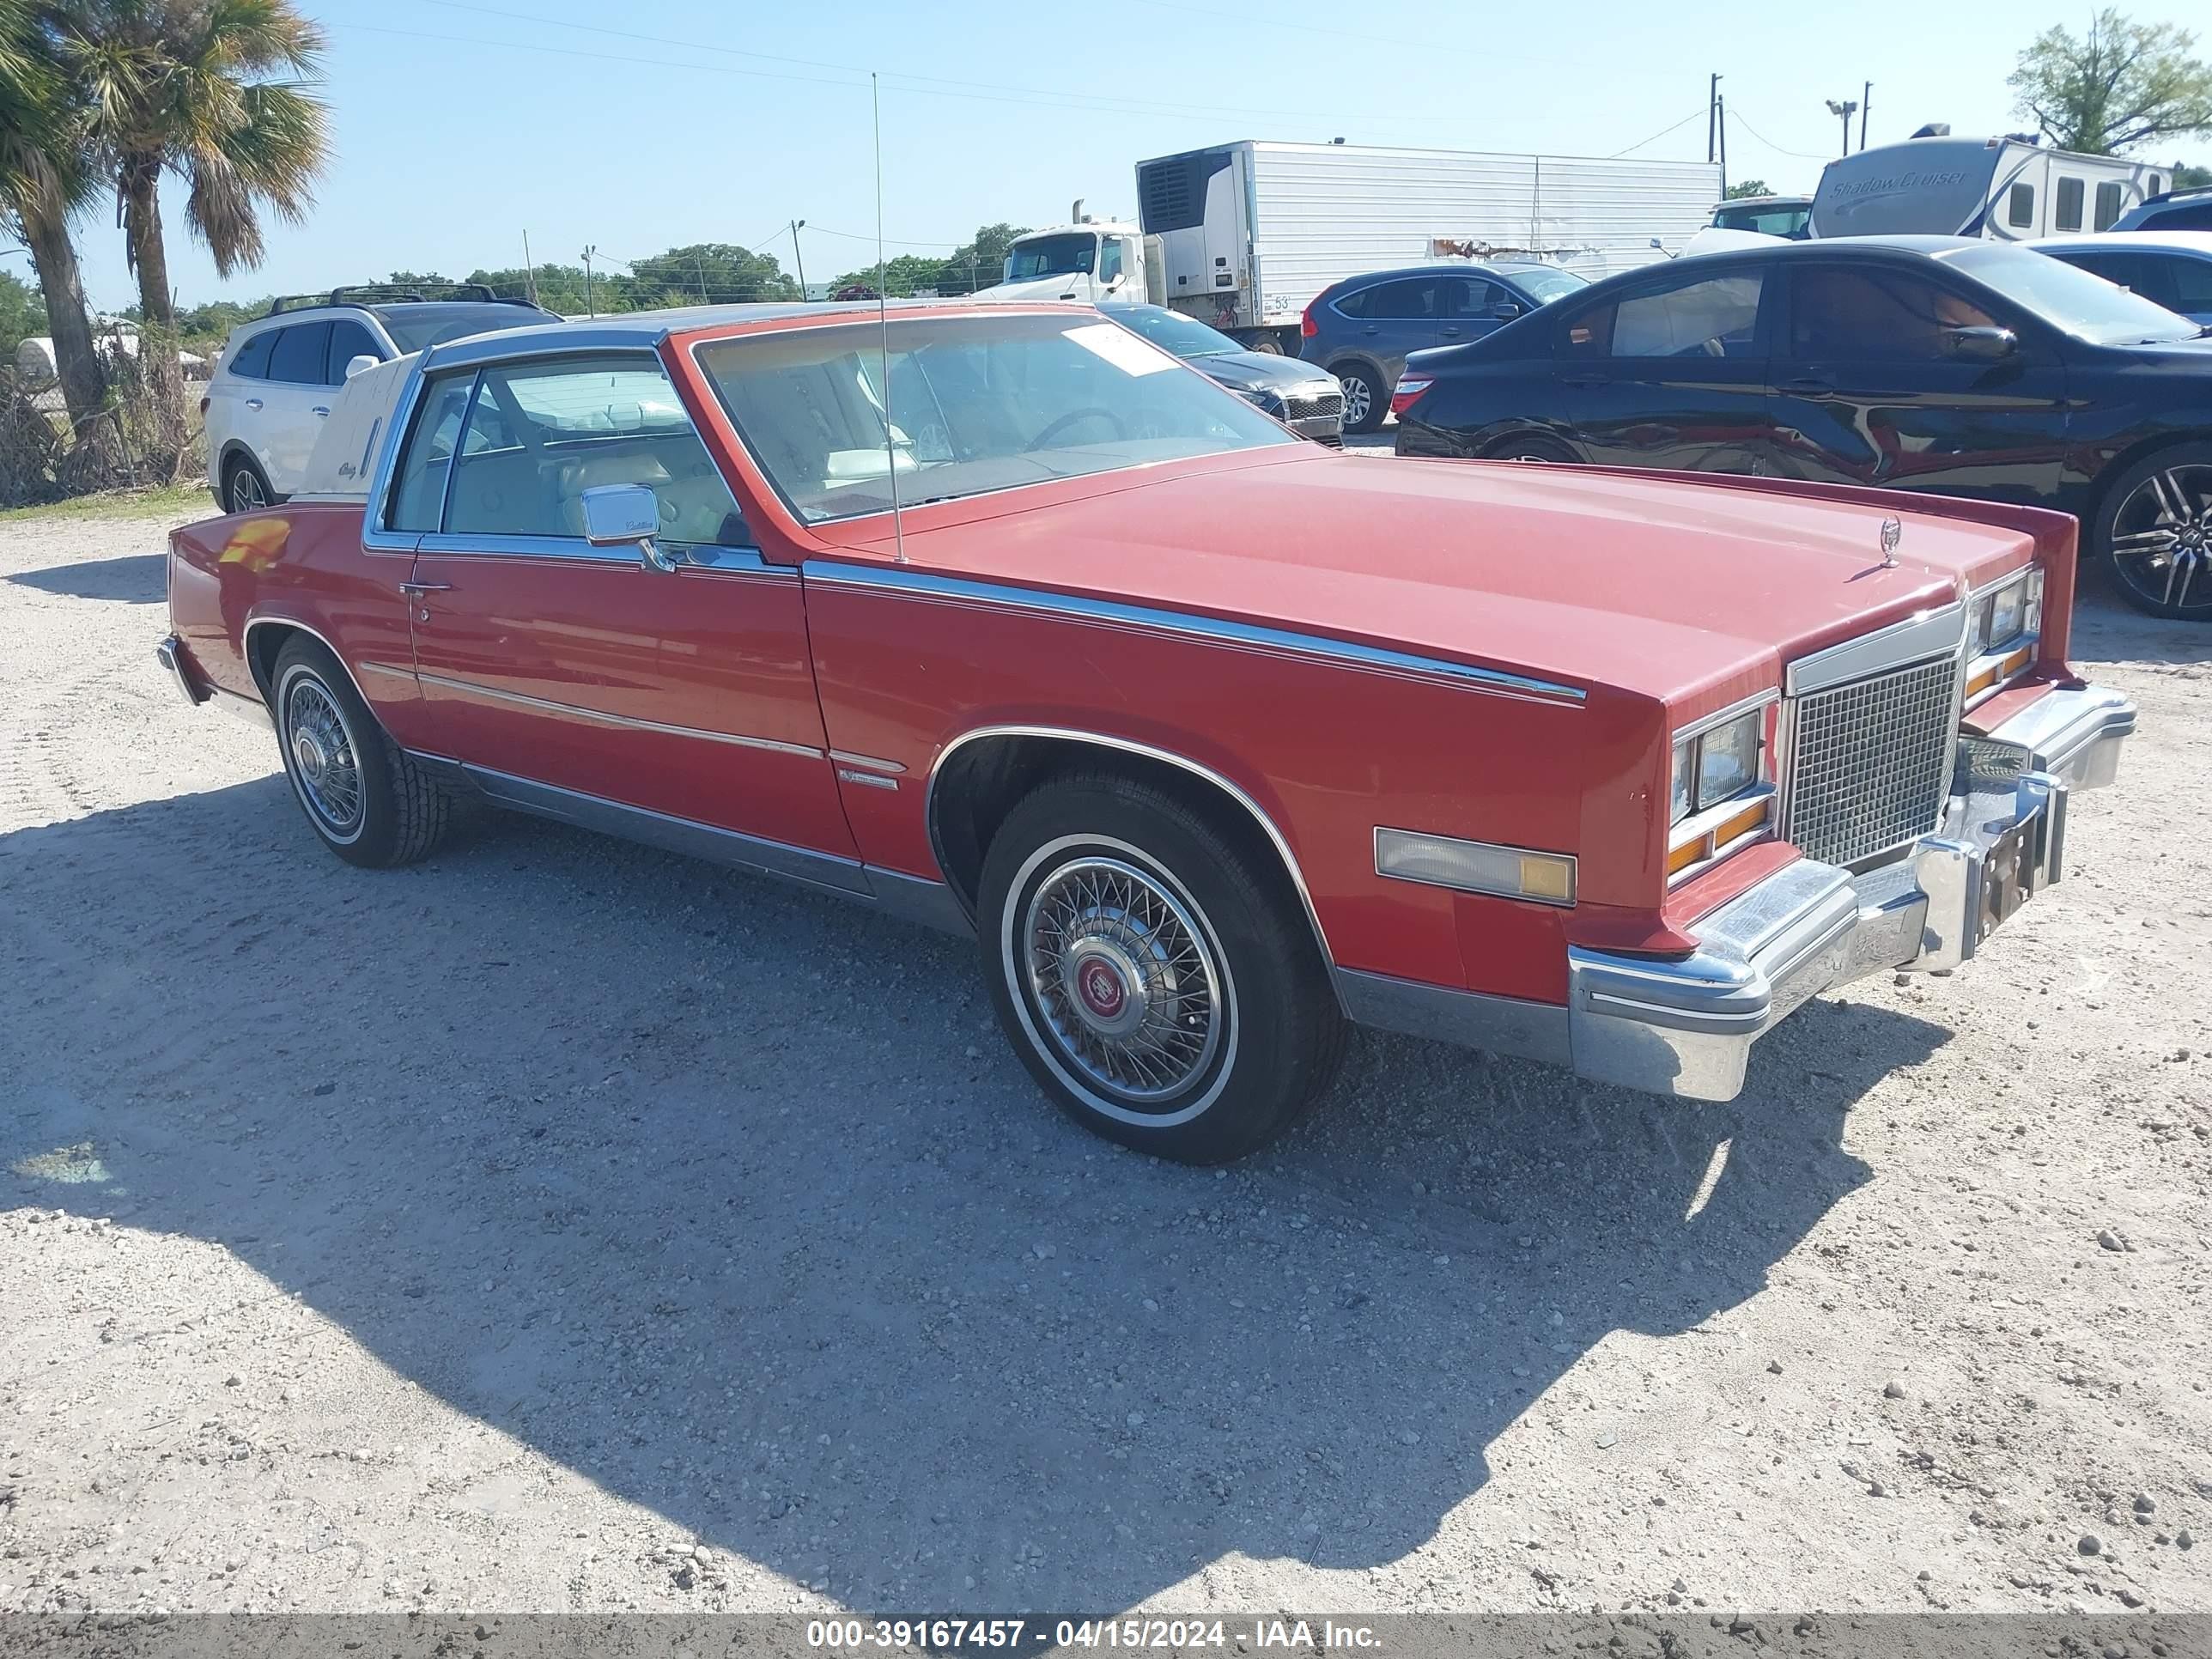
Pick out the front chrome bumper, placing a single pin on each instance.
(1684, 1025)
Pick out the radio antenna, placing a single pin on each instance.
(884, 322)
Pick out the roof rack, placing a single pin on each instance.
(2178, 195)
(384, 294)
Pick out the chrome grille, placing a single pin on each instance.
(1308, 409)
(1870, 762)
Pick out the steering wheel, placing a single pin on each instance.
(1120, 431)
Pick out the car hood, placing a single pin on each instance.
(1692, 594)
(1247, 371)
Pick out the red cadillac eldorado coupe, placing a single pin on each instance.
(999, 618)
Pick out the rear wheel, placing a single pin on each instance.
(368, 801)
(1365, 403)
(2153, 533)
(245, 486)
(1156, 979)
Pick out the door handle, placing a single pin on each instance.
(416, 590)
(1448, 333)
(253, 403)
(1809, 386)
(320, 409)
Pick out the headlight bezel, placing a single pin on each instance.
(1707, 822)
(2004, 627)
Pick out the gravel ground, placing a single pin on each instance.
(560, 1225)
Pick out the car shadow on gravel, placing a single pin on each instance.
(731, 1199)
(137, 579)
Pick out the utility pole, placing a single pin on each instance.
(1719, 114)
(528, 266)
(1866, 103)
(1712, 114)
(586, 256)
(798, 258)
(1846, 109)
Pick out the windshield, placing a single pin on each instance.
(1052, 256)
(977, 403)
(2086, 307)
(1545, 283)
(1170, 331)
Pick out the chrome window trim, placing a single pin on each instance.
(1243, 635)
(628, 722)
(706, 556)
(375, 534)
(1128, 746)
(1917, 639)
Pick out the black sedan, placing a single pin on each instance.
(1304, 398)
(1961, 367)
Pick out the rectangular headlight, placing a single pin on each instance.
(2008, 611)
(1728, 760)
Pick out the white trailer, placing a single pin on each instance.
(1250, 232)
(2003, 190)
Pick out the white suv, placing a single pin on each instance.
(272, 387)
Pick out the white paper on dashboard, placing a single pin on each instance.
(1121, 348)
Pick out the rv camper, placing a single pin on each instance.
(2002, 189)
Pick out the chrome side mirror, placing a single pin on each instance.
(1981, 345)
(625, 515)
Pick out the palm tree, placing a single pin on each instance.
(188, 87)
(43, 182)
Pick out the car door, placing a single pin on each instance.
(1474, 306)
(296, 401)
(1876, 382)
(1394, 318)
(238, 399)
(664, 699)
(1672, 371)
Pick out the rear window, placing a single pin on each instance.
(252, 359)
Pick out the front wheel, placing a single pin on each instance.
(369, 802)
(1159, 982)
(2152, 534)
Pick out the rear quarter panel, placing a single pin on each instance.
(302, 563)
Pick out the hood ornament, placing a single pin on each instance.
(1892, 534)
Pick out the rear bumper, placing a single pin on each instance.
(1684, 1026)
(171, 654)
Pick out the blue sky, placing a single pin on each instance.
(453, 136)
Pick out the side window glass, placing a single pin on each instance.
(1715, 316)
(1473, 296)
(2069, 205)
(419, 491)
(300, 351)
(541, 435)
(252, 359)
(1874, 316)
(1109, 260)
(2108, 204)
(2019, 205)
(349, 340)
(1355, 303)
(1413, 299)
(2191, 285)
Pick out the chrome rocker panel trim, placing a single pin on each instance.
(1684, 1026)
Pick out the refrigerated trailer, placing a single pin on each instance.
(1250, 232)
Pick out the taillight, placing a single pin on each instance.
(1307, 327)
(1408, 394)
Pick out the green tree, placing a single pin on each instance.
(22, 313)
(2186, 177)
(43, 182)
(902, 277)
(558, 288)
(706, 273)
(2122, 85)
(978, 263)
(192, 88)
(1749, 187)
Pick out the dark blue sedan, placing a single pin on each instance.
(1360, 329)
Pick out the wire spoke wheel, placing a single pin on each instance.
(1123, 979)
(2161, 536)
(321, 753)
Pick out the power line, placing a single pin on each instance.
(1775, 148)
(1658, 136)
